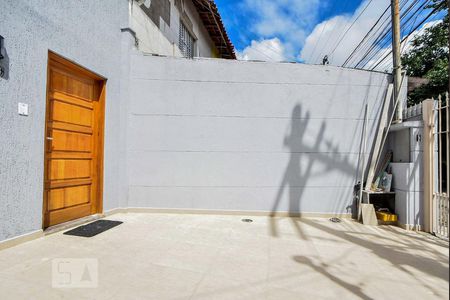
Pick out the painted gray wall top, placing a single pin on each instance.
(215, 134)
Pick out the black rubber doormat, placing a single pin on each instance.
(94, 228)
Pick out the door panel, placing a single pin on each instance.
(71, 84)
(74, 139)
(73, 114)
(71, 141)
(70, 196)
(66, 168)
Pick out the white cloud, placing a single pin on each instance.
(379, 63)
(266, 50)
(386, 65)
(418, 33)
(283, 28)
(289, 21)
(327, 34)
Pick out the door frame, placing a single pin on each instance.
(97, 205)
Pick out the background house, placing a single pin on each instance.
(180, 28)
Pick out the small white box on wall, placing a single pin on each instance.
(23, 109)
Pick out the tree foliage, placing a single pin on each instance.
(429, 57)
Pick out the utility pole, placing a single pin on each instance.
(397, 71)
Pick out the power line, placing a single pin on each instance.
(381, 34)
(323, 29)
(412, 31)
(320, 36)
(365, 37)
(374, 49)
(268, 47)
(330, 35)
(382, 38)
(207, 7)
(353, 23)
(416, 13)
(377, 36)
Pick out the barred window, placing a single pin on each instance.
(186, 42)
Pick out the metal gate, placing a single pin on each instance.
(441, 134)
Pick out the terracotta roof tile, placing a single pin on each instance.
(209, 14)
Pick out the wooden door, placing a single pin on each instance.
(73, 142)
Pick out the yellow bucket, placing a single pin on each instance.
(386, 217)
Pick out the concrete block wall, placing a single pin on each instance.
(221, 135)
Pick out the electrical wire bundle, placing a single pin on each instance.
(374, 51)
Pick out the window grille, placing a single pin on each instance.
(186, 42)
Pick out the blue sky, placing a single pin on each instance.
(297, 30)
(238, 17)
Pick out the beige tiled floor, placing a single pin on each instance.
(163, 256)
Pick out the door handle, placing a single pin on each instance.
(49, 138)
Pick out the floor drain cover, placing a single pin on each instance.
(93, 228)
(247, 220)
(335, 220)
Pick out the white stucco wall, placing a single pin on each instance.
(229, 135)
(85, 31)
(164, 40)
(201, 134)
